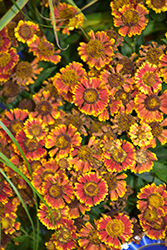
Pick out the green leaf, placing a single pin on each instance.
(146, 176)
(157, 16)
(160, 170)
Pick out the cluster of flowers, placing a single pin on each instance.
(80, 159)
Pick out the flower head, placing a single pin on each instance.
(157, 6)
(8, 59)
(4, 40)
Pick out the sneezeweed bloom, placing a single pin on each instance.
(69, 77)
(158, 132)
(4, 40)
(144, 161)
(122, 122)
(46, 107)
(151, 107)
(120, 158)
(118, 40)
(140, 135)
(163, 66)
(33, 149)
(62, 140)
(67, 17)
(11, 34)
(98, 51)
(116, 5)
(153, 197)
(126, 100)
(8, 223)
(5, 191)
(75, 208)
(147, 78)
(91, 96)
(91, 189)
(89, 237)
(116, 185)
(44, 50)
(25, 31)
(57, 189)
(25, 72)
(58, 215)
(8, 59)
(132, 18)
(115, 231)
(157, 6)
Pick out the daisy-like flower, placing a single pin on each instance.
(121, 157)
(76, 208)
(46, 107)
(58, 215)
(158, 132)
(57, 189)
(122, 122)
(91, 189)
(132, 18)
(140, 135)
(150, 107)
(26, 72)
(115, 231)
(44, 50)
(147, 78)
(153, 197)
(25, 31)
(98, 51)
(144, 161)
(33, 149)
(62, 140)
(91, 96)
(126, 100)
(68, 17)
(8, 59)
(163, 66)
(117, 4)
(89, 237)
(5, 191)
(8, 223)
(116, 185)
(157, 6)
(69, 77)
(4, 40)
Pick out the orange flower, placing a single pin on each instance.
(8, 59)
(158, 132)
(157, 6)
(98, 51)
(132, 18)
(6, 192)
(163, 66)
(4, 40)
(76, 208)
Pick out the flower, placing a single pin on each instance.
(75, 208)
(163, 66)
(4, 40)
(157, 6)
(56, 190)
(44, 50)
(91, 96)
(122, 122)
(5, 191)
(26, 72)
(98, 51)
(62, 140)
(8, 223)
(147, 78)
(158, 132)
(91, 189)
(114, 231)
(148, 106)
(8, 59)
(132, 18)
(126, 100)
(25, 31)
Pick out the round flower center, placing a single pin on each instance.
(56, 213)
(123, 96)
(55, 191)
(44, 108)
(109, 146)
(150, 214)
(155, 200)
(24, 70)
(66, 14)
(130, 18)
(115, 228)
(93, 237)
(158, 4)
(116, 80)
(91, 189)
(141, 134)
(159, 225)
(141, 156)
(152, 103)
(149, 79)
(64, 235)
(125, 121)
(74, 204)
(85, 153)
(153, 55)
(69, 77)
(4, 59)
(46, 173)
(63, 163)
(11, 89)
(46, 48)
(35, 130)
(30, 145)
(111, 181)
(95, 48)
(119, 155)
(156, 129)
(1, 41)
(7, 223)
(34, 165)
(90, 96)
(15, 126)
(63, 141)
(25, 31)
(128, 66)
